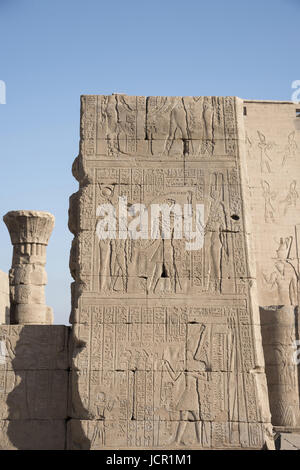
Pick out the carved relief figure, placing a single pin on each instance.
(178, 126)
(290, 199)
(118, 123)
(207, 146)
(290, 149)
(287, 375)
(215, 233)
(284, 276)
(189, 403)
(105, 246)
(163, 257)
(269, 196)
(110, 118)
(264, 147)
(118, 266)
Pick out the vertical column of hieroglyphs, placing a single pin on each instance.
(165, 331)
(272, 156)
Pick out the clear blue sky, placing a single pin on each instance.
(52, 51)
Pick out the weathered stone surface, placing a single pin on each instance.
(271, 159)
(169, 348)
(163, 334)
(27, 434)
(34, 347)
(124, 434)
(141, 344)
(34, 380)
(33, 394)
(146, 395)
(4, 298)
(278, 333)
(126, 126)
(29, 232)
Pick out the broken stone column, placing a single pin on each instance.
(278, 334)
(29, 232)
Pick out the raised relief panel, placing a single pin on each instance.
(166, 348)
(34, 347)
(272, 167)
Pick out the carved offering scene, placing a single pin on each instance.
(166, 339)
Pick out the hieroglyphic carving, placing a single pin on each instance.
(265, 158)
(177, 370)
(284, 277)
(268, 196)
(215, 229)
(119, 125)
(290, 199)
(276, 254)
(291, 148)
(88, 125)
(163, 344)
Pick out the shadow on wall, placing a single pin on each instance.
(78, 424)
(7, 315)
(36, 384)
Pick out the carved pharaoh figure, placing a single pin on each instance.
(178, 126)
(291, 198)
(215, 233)
(190, 401)
(284, 276)
(106, 197)
(162, 257)
(290, 149)
(265, 158)
(269, 196)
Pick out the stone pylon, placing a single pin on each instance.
(29, 232)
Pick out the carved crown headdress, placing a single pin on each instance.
(284, 248)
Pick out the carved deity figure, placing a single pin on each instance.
(264, 147)
(110, 117)
(105, 245)
(290, 199)
(269, 196)
(189, 404)
(119, 264)
(163, 257)
(215, 233)
(283, 279)
(290, 149)
(284, 276)
(178, 125)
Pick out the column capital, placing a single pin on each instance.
(29, 232)
(29, 226)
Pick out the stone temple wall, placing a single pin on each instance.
(33, 386)
(170, 347)
(272, 162)
(167, 347)
(34, 359)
